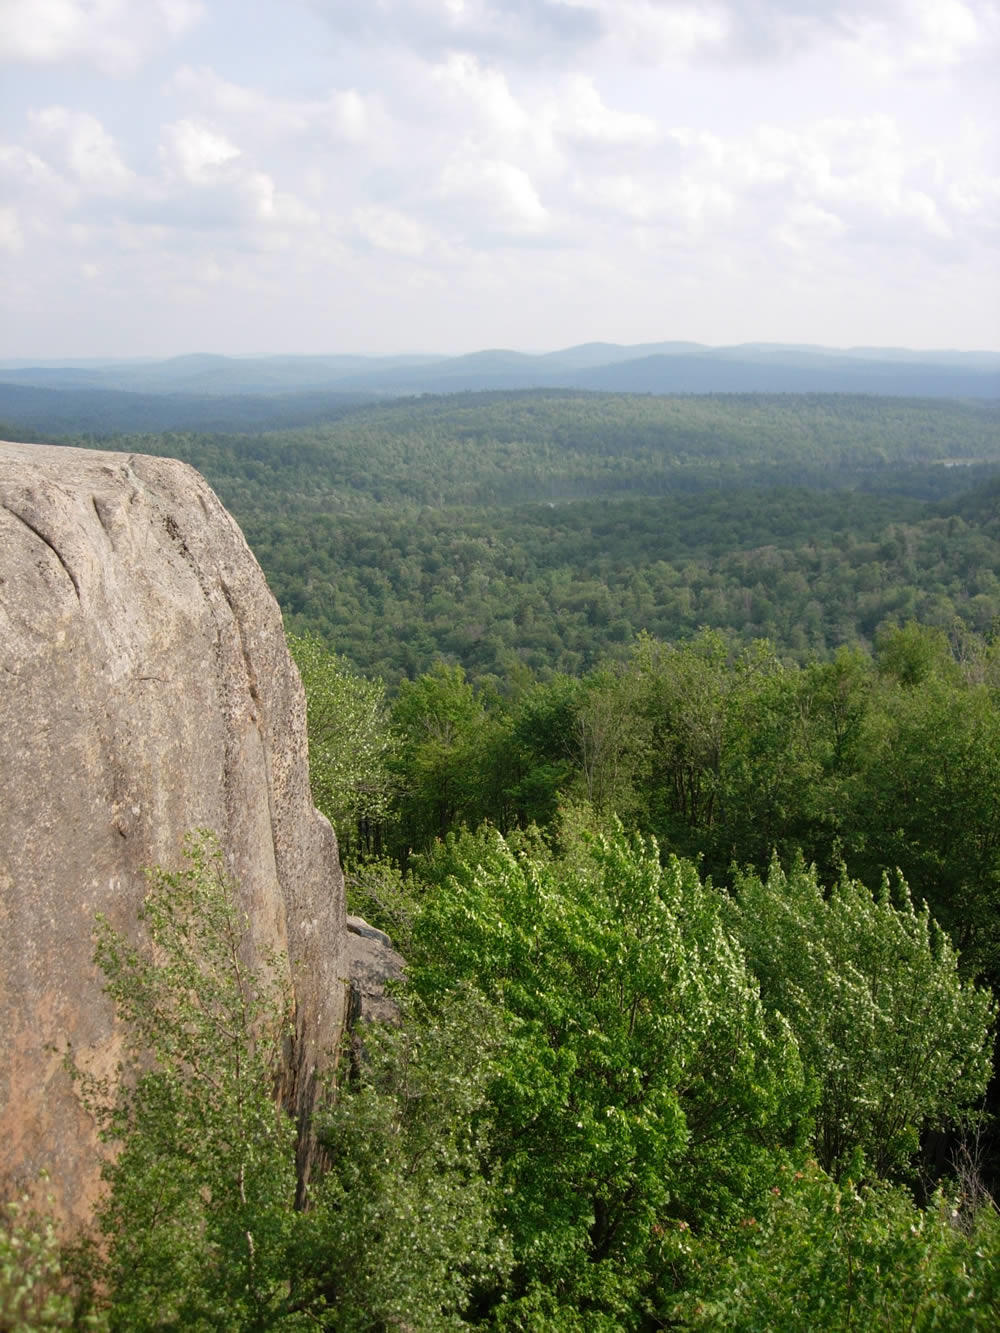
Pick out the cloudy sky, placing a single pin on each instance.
(380, 176)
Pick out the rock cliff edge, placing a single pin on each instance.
(145, 691)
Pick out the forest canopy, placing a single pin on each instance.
(662, 736)
(548, 529)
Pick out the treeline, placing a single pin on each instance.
(106, 412)
(833, 815)
(506, 448)
(564, 588)
(724, 753)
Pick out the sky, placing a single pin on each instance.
(389, 176)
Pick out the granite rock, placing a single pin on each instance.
(145, 691)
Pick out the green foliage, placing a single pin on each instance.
(543, 744)
(836, 1257)
(498, 557)
(609, 740)
(550, 529)
(198, 1219)
(199, 1223)
(563, 588)
(913, 653)
(895, 1040)
(403, 1234)
(386, 897)
(640, 1083)
(688, 693)
(37, 1290)
(351, 744)
(726, 752)
(444, 724)
(593, 1115)
(925, 796)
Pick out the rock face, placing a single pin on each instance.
(372, 963)
(145, 691)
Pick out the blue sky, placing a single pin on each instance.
(446, 175)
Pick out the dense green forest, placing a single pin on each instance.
(562, 588)
(546, 530)
(550, 446)
(663, 736)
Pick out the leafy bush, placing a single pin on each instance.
(37, 1290)
(351, 743)
(640, 1083)
(402, 1233)
(894, 1039)
(199, 1222)
(836, 1257)
(199, 1216)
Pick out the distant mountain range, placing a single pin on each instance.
(661, 368)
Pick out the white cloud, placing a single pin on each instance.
(24, 173)
(531, 148)
(619, 194)
(196, 152)
(887, 33)
(525, 28)
(807, 225)
(543, 125)
(116, 36)
(924, 35)
(342, 115)
(833, 183)
(387, 229)
(497, 197)
(84, 148)
(179, 15)
(581, 115)
(870, 176)
(482, 93)
(226, 189)
(272, 205)
(665, 33)
(11, 237)
(683, 207)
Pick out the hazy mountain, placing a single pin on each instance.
(211, 374)
(794, 374)
(667, 367)
(609, 354)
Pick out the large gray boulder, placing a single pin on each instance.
(145, 691)
(372, 964)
